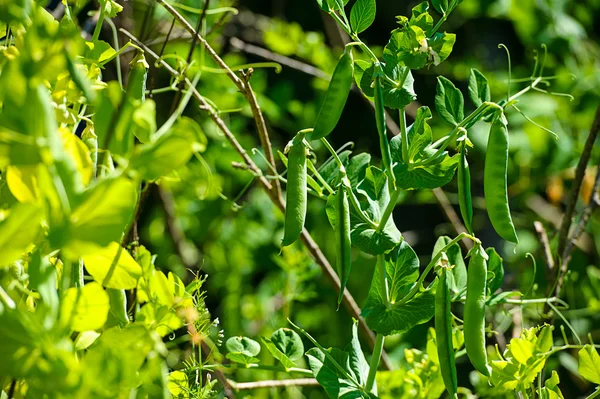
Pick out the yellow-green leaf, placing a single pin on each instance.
(18, 232)
(589, 364)
(79, 153)
(113, 267)
(86, 308)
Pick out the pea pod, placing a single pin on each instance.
(443, 334)
(464, 189)
(495, 181)
(296, 192)
(336, 97)
(342, 236)
(381, 126)
(474, 317)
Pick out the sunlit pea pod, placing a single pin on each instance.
(495, 181)
(443, 334)
(474, 317)
(342, 236)
(336, 97)
(296, 191)
(464, 188)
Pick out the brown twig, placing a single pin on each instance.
(563, 234)
(312, 247)
(543, 237)
(298, 382)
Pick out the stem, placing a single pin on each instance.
(595, 394)
(6, 300)
(375, 362)
(99, 23)
(525, 301)
(430, 266)
(389, 209)
(404, 136)
(525, 90)
(314, 170)
(265, 367)
(335, 155)
(116, 44)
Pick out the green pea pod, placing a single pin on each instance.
(495, 182)
(296, 192)
(474, 317)
(336, 97)
(342, 235)
(464, 189)
(118, 307)
(443, 334)
(381, 126)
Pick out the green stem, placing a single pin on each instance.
(67, 276)
(116, 44)
(99, 23)
(374, 364)
(279, 369)
(430, 266)
(404, 136)
(356, 205)
(389, 209)
(525, 301)
(320, 178)
(595, 394)
(6, 300)
(525, 90)
(334, 155)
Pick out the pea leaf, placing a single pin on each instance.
(243, 345)
(440, 47)
(479, 89)
(419, 137)
(356, 168)
(113, 267)
(551, 389)
(362, 15)
(99, 51)
(440, 5)
(449, 102)
(436, 174)
(101, 217)
(589, 364)
(495, 270)
(396, 95)
(457, 279)
(350, 382)
(18, 231)
(286, 346)
(420, 17)
(85, 309)
(402, 271)
(373, 195)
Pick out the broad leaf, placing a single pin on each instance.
(449, 102)
(84, 309)
(457, 279)
(395, 96)
(243, 345)
(113, 267)
(479, 89)
(589, 364)
(437, 174)
(362, 15)
(402, 271)
(286, 346)
(18, 232)
(440, 5)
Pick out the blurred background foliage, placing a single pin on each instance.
(228, 229)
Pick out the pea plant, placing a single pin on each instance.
(85, 313)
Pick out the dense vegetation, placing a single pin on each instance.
(217, 199)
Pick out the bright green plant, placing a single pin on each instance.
(85, 313)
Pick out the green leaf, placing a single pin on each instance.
(589, 364)
(99, 51)
(356, 169)
(288, 342)
(440, 47)
(449, 102)
(495, 270)
(113, 267)
(457, 279)
(168, 153)
(479, 89)
(402, 270)
(336, 384)
(395, 96)
(436, 174)
(330, 170)
(440, 5)
(551, 389)
(104, 212)
(18, 232)
(357, 364)
(362, 15)
(243, 345)
(420, 17)
(373, 195)
(420, 137)
(84, 309)
(241, 358)
(144, 121)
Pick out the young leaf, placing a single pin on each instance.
(449, 102)
(589, 364)
(113, 267)
(286, 346)
(84, 309)
(243, 345)
(362, 15)
(479, 89)
(441, 6)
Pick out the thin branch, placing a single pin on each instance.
(452, 216)
(543, 237)
(261, 126)
(312, 247)
(567, 220)
(211, 52)
(298, 382)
